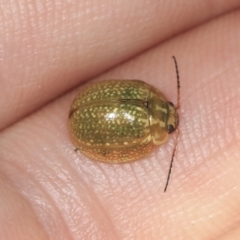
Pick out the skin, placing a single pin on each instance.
(49, 51)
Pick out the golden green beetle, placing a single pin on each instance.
(120, 120)
(117, 121)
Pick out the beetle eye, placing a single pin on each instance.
(170, 103)
(171, 129)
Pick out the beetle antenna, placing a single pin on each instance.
(177, 131)
(173, 154)
(178, 83)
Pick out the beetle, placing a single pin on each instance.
(118, 121)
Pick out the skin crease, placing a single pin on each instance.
(50, 192)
